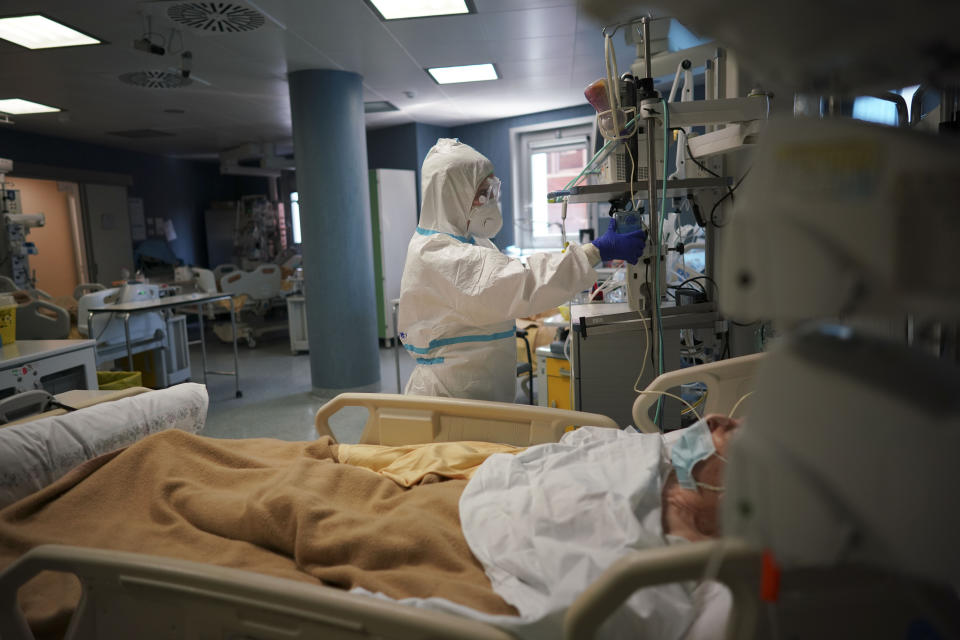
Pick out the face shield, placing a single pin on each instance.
(484, 219)
(489, 191)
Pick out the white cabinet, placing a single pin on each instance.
(393, 216)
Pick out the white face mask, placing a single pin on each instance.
(485, 220)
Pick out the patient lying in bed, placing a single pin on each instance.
(292, 510)
(693, 515)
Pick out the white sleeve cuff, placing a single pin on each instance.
(592, 253)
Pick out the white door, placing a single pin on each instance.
(108, 231)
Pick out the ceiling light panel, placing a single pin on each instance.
(18, 106)
(40, 32)
(400, 9)
(466, 73)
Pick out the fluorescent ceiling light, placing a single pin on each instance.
(399, 9)
(466, 73)
(39, 32)
(18, 107)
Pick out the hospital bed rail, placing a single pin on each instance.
(728, 382)
(396, 420)
(127, 595)
(133, 595)
(738, 566)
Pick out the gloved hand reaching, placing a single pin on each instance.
(617, 246)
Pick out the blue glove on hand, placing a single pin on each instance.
(617, 246)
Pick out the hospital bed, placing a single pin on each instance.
(259, 292)
(42, 320)
(127, 593)
(260, 285)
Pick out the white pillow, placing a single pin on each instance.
(34, 454)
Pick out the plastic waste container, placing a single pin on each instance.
(115, 380)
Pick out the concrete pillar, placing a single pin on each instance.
(331, 156)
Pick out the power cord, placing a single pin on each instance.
(730, 190)
(105, 326)
(729, 194)
(697, 279)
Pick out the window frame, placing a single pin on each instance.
(538, 137)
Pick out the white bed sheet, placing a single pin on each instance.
(599, 475)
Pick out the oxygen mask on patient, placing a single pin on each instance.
(695, 445)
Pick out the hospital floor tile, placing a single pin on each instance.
(277, 401)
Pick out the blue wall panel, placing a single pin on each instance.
(392, 147)
(171, 188)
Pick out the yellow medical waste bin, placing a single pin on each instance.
(8, 319)
(558, 383)
(115, 380)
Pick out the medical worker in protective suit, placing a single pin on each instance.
(460, 295)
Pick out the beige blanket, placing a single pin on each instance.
(285, 509)
(419, 463)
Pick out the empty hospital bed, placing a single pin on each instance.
(258, 292)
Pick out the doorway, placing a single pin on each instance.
(108, 228)
(58, 266)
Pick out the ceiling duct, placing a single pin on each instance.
(211, 18)
(155, 79)
(218, 17)
(254, 159)
(141, 133)
(379, 106)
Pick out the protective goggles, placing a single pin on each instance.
(489, 190)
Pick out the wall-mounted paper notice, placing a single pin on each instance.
(138, 224)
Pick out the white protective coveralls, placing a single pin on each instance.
(460, 295)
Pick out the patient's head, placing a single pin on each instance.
(710, 471)
(693, 513)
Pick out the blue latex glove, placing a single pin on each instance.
(620, 246)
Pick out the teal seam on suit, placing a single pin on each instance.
(443, 342)
(431, 232)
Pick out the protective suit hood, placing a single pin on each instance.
(451, 174)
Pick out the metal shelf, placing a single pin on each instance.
(607, 192)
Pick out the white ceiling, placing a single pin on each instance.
(546, 52)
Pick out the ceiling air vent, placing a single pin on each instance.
(140, 133)
(378, 107)
(155, 79)
(216, 17)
